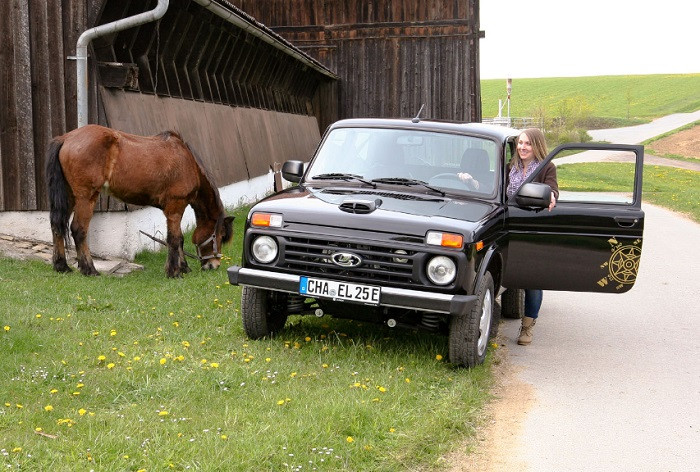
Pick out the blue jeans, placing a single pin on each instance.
(533, 302)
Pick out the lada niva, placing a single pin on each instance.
(380, 227)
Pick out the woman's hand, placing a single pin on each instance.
(552, 201)
(468, 179)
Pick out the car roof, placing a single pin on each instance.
(498, 132)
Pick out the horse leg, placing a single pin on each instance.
(60, 264)
(173, 214)
(184, 268)
(84, 209)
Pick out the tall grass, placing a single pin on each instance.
(147, 373)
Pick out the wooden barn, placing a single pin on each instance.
(392, 56)
(247, 85)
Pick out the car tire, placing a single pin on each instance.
(513, 303)
(264, 312)
(469, 334)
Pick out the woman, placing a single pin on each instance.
(531, 150)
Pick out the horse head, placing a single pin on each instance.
(209, 237)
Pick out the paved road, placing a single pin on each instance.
(616, 378)
(639, 133)
(635, 135)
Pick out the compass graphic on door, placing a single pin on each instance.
(624, 264)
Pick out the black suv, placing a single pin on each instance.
(380, 228)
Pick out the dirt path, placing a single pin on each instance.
(498, 442)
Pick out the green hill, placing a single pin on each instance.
(631, 98)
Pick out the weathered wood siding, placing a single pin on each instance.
(191, 56)
(234, 143)
(392, 55)
(37, 85)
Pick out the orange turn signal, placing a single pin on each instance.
(266, 219)
(437, 238)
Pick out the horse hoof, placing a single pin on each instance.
(62, 268)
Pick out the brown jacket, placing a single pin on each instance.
(548, 176)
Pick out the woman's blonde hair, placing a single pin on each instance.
(538, 142)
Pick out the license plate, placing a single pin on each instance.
(339, 290)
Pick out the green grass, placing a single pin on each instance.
(669, 187)
(605, 101)
(147, 373)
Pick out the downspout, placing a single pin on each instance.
(81, 50)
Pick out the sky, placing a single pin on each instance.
(565, 38)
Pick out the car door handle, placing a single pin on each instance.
(626, 222)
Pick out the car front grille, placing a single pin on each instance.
(379, 263)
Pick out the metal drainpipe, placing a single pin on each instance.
(88, 35)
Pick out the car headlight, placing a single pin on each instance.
(264, 249)
(441, 270)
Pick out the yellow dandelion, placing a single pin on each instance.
(280, 402)
(203, 361)
(494, 345)
(110, 365)
(325, 366)
(163, 413)
(17, 449)
(438, 357)
(137, 358)
(349, 439)
(82, 412)
(113, 332)
(38, 429)
(267, 359)
(176, 324)
(408, 380)
(38, 315)
(214, 365)
(6, 328)
(185, 343)
(163, 360)
(121, 354)
(101, 358)
(293, 374)
(19, 405)
(48, 408)
(392, 430)
(52, 391)
(381, 389)
(224, 437)
(307, 339)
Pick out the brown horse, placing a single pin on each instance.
(159, 171)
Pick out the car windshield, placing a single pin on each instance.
(389, 155)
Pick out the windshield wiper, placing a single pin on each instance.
(345, 177)
(403, 181)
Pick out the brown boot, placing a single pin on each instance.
(526, 329)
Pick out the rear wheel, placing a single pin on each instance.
(263, 312)
(513, 303)
(469, 334)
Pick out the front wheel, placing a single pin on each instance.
(263, 312)
(469, 334)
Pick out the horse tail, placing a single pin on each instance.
(59, 200)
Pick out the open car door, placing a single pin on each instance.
(592, 240)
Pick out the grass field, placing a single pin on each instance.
(147, 373)
(615, 100)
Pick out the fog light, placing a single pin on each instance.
(264, 249)
(441, 270)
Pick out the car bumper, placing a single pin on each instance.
(455, 305)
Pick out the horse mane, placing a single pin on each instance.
(208, 178)
(165, 135)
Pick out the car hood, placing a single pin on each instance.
(409, 213)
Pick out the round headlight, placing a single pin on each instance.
(264, 249)
(441, 270)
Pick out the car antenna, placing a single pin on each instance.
(417, 118)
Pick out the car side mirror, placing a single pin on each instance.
(292, 171)
(534, 195)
